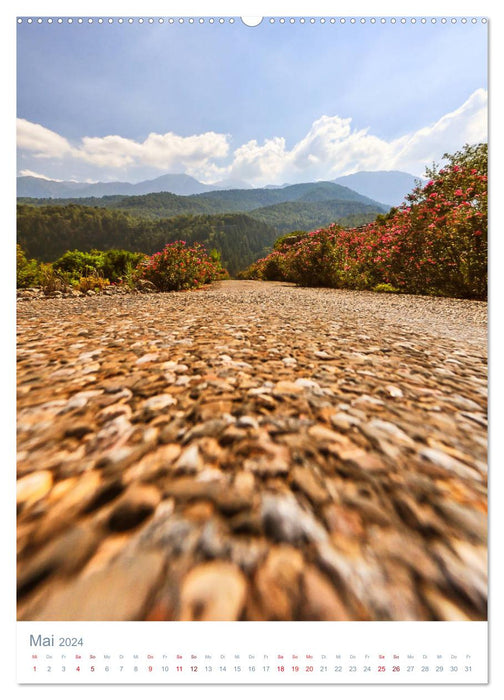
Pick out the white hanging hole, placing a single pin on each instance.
(252, 21)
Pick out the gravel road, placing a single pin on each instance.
(252, 451)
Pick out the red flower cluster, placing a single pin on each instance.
(436, 243)
(179, 266)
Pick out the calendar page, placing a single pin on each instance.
(251, 285)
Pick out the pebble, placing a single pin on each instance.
(277, 582)
(65, 555)
(448, 463)
(156, 405)
(323, 434)
(149, 357)
(137, 504)
(190, 461)
(304, 479)
(106, 595)
(320, 600)
(215, 591)
(33, 487)
(285, 521)
(394, 391)
(272, 460)
(287, 388)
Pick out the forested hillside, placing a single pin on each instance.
(47, 232)
(165, 204)
(290, 216)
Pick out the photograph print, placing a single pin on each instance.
(251, 319)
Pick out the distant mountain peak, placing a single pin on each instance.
(176, 183)
(231, 184)
(387, 186)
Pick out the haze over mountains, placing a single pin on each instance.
(386, 187)
(29, 186)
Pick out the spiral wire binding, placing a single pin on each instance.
(233, 20)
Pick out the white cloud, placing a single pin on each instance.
(467, 124)
(330, 148)
(162, 151)
(31, 173)
(253, 162)
(42, 142)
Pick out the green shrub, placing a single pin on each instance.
(92, 282)
(27, 271)
(385, 287)
(76, 264)
(118, 265)
(289, 239)
(51, 280)
(114, 265)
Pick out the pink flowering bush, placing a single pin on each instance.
(435, 243)
(179, 266)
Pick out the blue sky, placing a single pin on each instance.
(273, 103)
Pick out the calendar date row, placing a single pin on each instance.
(253, 669)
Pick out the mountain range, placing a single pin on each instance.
(304, 206)
(241, 223)
(37, 187)
(385, 186)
